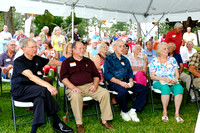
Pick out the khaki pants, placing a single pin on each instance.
(187, 79)
(101, 95)
(59, 54)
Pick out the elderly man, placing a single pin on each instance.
(194, 68)
(175, 36)
(40, 46)
(132, 36)
(77, 36)
(7, 58)
(43, 33)
(93, 49)
(150, 52)
(28, 86)
(81, 77)
(183, 76)
(6, 36)
(96, 36)
(119, 74)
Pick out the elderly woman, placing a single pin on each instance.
(164, 73)
(139, 63)
(58, 41)
(99, 58)
(188, 53)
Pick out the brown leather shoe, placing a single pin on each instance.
(80, 128)
(107, 126)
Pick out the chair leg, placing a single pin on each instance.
(195, 94)
(13, 114)
(112, 108)
(97, 112)
(66, 102)
(152, 102)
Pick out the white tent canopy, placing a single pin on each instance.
(121, 10)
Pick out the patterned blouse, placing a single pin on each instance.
(164, 70)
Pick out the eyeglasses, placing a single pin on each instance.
(149, 55)
(34, 47)
(12, 44)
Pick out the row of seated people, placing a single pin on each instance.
(81, 77)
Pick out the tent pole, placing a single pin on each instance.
(138, 23)
(73, 22)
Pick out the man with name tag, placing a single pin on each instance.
(119, 74)
(6, 59)
(81, 77)
(175, 36)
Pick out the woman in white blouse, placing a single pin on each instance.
(188, 53)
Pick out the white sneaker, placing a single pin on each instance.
(125, 116)
(133, 115)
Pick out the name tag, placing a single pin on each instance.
(174, 36)
(72, 64)
(8, 60)
(122, 63)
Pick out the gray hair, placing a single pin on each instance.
(137, 45)
(45, 28)
(8, 43)
(24, 41)
(173, 44)
(100, 46)
(159, 48)
(118, 41)
(177, 25)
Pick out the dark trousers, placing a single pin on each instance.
(42, 100)
(138, 104)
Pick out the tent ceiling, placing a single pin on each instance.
(121, 10)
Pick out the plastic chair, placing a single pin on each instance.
(1, 82)
(195, 90)
(85, 99)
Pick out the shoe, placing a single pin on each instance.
(179, 119)
(107, 126)
(165, 118)
(133, 115)
(125, 116)
(62, 128)
(193, 100)
(80, 128)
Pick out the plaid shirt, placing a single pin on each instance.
(195, 61)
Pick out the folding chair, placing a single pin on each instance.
(105, 85)
(195, 90)
(153, 90)
(1, 82)
(85, 99)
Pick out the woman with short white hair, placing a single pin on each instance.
(99, 58)
(139, 63)
(164, 73)
(188, 53)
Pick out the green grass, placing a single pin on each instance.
(196, 47)
(150, 122)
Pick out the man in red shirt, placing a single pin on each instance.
(175, 36)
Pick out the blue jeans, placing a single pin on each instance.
(138, 104)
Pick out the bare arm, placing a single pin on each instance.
(71, 86)
(97, 62)
(193, 70)
(39, 81)
(55, 63)
(42, 52)
(181, 68)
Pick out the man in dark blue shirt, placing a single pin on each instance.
(118, 71)
(183, 76)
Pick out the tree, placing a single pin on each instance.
(1, 21)
(8, 20)
(96, 23)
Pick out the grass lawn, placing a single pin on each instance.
(196, 47)
(149, 122)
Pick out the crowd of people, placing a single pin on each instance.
(125, 60)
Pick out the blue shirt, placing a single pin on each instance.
(120, 69)
(115, 38)
(62, 58)
(178, 58)
(96, 37)
(150, 54)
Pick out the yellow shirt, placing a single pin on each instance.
(57, 42)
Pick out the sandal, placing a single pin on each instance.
(165, 118)
(179, 119)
